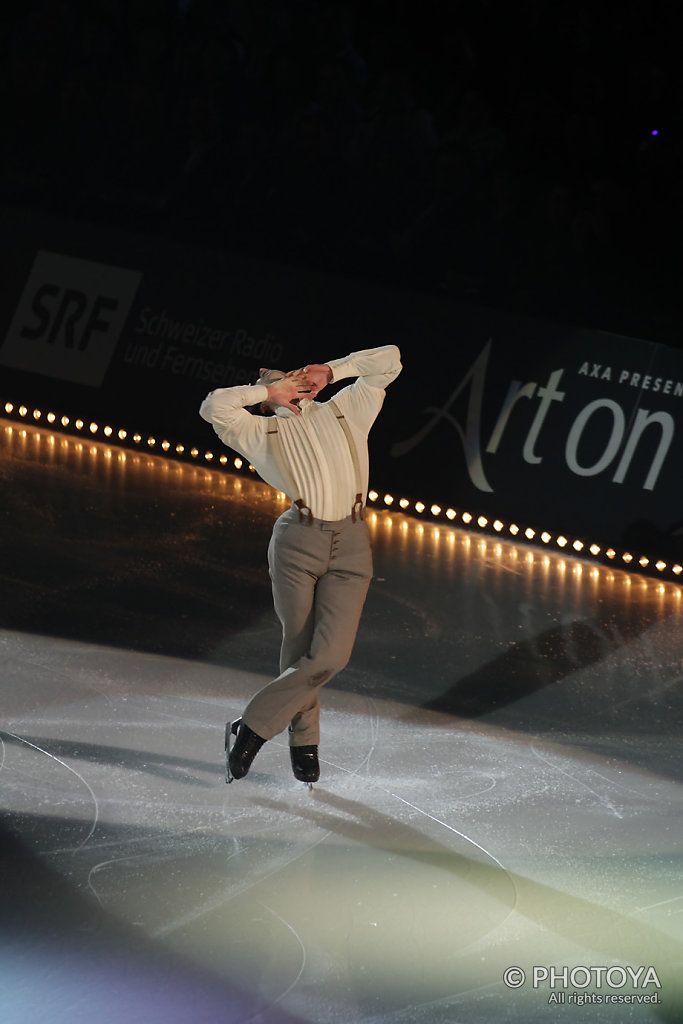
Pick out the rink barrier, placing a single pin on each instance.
(574, 546)
(568, 429)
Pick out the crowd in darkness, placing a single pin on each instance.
(497, 152)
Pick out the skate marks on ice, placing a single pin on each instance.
(138, 817)
(397, 882)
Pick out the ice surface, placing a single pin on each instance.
(501, 769)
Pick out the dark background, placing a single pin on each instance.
(336, 175)
(501, 153)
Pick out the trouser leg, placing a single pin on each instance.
(320, 581)
(338, 608)
(294, 594)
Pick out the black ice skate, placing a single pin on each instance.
(247, 745)
(305, 764)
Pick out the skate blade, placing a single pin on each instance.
(231, 730)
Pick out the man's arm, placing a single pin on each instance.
(377, 366)
(228, 405)
(226, 408)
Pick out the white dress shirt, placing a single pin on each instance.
(313, 444)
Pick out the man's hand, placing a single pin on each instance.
(316, 376)
(288, 390)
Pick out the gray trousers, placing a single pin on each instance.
(320, 572)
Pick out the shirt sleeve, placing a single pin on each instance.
(377, 366)
(226, 410)
(373, 370)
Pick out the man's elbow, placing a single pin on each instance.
(396, 358)
(205, 409)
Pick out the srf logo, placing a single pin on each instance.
(69, 318)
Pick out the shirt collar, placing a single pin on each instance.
(305, 404)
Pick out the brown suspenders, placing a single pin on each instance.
(276, 451)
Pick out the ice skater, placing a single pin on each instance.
(319, 555)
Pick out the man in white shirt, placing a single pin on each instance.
(319, 555)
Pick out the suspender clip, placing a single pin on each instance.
(300, 504)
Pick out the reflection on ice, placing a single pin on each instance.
(501, 767)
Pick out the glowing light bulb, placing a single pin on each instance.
(404, 503)
(37, 414)
(64, 421)
(79, 424)
(22, 410)
(388, 499)
(9, 407)
(237, 463)
(482, 521)
(450, 513)
(611, 553)
(545, 537)
(594, 549)
(436, 510)
(529, 533)
(514, 529)
(466, 517)
(660, 566)
(627, 557)
(108, 431)
(644, 561)
(562, 542)
(419, 507)
(498, 526)
(578, 545)
(373, 495)
(678, 569)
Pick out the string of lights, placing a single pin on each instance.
(123, 437)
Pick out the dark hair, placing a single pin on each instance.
(260, 409)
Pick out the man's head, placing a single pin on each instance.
(267, 376)
(301, 388)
